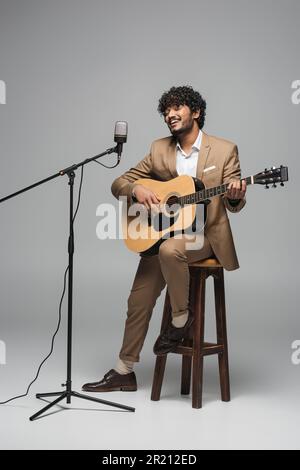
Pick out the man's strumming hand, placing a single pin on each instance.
(145, 196)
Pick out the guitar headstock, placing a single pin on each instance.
(272, 176)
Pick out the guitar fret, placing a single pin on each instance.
(203, 194)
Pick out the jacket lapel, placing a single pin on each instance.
(203, 154)
(171, 158)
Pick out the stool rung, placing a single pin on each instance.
(185, 350)
(212, 348)
(208, 349)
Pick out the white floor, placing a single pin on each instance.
(264, 412)
(261, 415)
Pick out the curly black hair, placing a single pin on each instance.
(181, 95)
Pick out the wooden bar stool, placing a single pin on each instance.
(193, 348)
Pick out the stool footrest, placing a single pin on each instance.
(208, 349)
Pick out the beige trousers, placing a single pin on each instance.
(169, 267)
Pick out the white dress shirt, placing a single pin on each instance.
(187, 164)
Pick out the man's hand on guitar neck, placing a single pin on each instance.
(145, 196)
(236, 190)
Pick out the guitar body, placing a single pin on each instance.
(179, 200)
(143, 233)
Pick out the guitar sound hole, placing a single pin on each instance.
(172, 205)
(166, 219)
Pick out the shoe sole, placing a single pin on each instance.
(112, 389)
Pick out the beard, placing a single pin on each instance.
(188, 127)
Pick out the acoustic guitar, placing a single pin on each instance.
(144, 231)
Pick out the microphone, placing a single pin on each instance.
(120, 136)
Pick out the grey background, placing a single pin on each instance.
(72, 68)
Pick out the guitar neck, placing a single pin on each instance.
(207, 193)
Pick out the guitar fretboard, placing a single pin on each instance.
(207, 193)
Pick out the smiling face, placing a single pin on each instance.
(180, 119)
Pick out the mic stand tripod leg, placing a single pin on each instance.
(64, 395)
(69, 392)
(47, 407)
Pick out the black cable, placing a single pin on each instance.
(51, 350)
(79, 194)
(59, 311)
(106, 166)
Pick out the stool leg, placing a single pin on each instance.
(160, 365)
(160, 362)
(186, 367)
(222, 335)
(198, 342)
(186, 375)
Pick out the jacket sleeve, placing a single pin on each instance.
(123, 185)
(231, 172)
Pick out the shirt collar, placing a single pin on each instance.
(196, 145)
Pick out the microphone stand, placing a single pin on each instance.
(68, 393)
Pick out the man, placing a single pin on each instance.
(187, 151)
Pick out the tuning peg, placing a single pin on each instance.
(274, 185)
(267, 187)
(281, 184)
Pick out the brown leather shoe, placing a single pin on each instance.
(172, 337)
(112, 382)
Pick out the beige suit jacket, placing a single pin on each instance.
(160, 164)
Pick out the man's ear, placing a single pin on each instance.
(196, 114)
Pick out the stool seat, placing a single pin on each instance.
(206, 263)
(194, 348)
